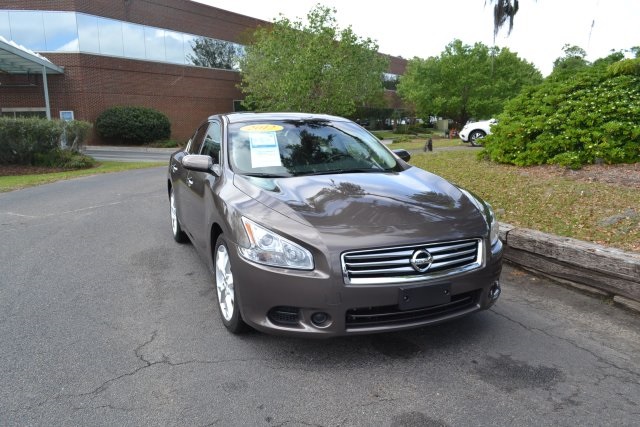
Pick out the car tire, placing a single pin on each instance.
(226, 294)
(178, 235)
(474, 136)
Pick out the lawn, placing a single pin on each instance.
(534, 198)
(15, 182)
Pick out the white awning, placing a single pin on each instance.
(16, 59)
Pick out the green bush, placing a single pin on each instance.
(76, 132)
(592, 117)
(65, 159)
(21, 139)
(24, 140)
(133, 125)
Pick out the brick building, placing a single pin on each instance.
(128, 52)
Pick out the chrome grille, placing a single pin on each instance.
(393, 265)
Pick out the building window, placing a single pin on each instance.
(60, 31)
(47, 31)
(110, 37)
(27, 29)
(134, 35)
(88, 35)
(24, 112)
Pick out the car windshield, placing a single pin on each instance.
(282, 148)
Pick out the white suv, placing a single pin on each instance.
(473, 131)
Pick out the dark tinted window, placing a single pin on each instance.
(193, 147)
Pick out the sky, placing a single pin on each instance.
(422, 28)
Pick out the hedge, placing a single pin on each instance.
(23, 140)
(133, 125)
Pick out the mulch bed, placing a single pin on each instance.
(9, 170)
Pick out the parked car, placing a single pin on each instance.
(312, 227)
(473, 132)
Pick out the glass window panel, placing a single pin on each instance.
(27, 29)
(88, 33)
(154, 43)
(110, 32)
(173, 45)
(60, 31)
(189, 54)
(5, 30)
(133, 36)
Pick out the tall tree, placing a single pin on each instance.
(465, 81)
(573, 61)
(315, 67)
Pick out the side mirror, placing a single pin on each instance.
(198, 163)
(403, 154)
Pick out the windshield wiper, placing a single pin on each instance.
(264, 175)
(340, 171)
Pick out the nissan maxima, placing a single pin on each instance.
(311, 226)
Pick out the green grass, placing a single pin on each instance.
(546, 203)
(16, 182)
(418, 144)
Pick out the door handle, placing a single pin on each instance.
(189, 181)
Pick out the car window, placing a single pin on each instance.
(301, 147)
(195, 143)
(212, 140)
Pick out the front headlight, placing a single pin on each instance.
(267, 247)
(494, 232)
(489, 215)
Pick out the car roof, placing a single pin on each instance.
(251, 117)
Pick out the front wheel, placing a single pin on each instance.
(475, 136)
(226, 289)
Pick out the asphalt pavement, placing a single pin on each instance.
(105, 320)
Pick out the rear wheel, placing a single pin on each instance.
(226, 289)
(475, 137)
(178, 235)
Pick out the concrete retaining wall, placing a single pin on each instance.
(606, 271)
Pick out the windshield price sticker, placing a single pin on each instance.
(264, 149)
(261, 128)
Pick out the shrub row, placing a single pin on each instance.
(591, 117)
(24, 140)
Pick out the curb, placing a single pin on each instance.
(596, 269)
(132, 149)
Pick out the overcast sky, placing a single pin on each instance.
(423, 28)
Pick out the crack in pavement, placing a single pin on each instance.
(573, 343)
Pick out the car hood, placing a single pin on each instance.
(397, 201)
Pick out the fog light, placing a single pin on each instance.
(494, 291)
(319, 318)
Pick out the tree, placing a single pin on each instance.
(465, 81)
(573, 61)
(215, 53)
(315, 68)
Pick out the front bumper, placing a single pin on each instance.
(316, 304)
(464, 135)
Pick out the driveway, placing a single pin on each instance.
(104, 320)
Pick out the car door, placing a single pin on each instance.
(198, 184)
(182, 180)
